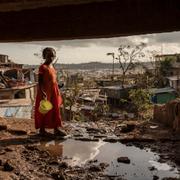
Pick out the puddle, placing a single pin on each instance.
(79, 153)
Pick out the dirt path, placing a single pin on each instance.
(20, 157)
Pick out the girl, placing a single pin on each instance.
(48, 88)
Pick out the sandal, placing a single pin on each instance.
(44, 133)
(60, 132)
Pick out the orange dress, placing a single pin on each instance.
(50, 86)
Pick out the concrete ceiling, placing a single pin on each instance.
(27, 20)
(18, 5)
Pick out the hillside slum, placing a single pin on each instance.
(110, 135)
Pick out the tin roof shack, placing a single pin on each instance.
(175, 63)
(108, 82)
(15, 82)
(86, 100)
(74, 79)
(174, 82)
(6, 63)
(170, 70)
(115, 94)
(163, 95)
(87, 111)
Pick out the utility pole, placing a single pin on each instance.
(112, 54)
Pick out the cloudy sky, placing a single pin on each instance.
(77, 51)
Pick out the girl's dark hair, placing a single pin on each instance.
(46, 50)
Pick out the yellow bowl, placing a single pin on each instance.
(45, 106)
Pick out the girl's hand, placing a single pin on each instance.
(44, 95)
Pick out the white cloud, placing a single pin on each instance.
(76, 51)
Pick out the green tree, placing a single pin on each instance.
(141, 99)
(165, 67)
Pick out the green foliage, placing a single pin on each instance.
(165, 66)
(140, 98)
(100, 109)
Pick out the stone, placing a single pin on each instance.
(155, 177)
(58, 176)
(95, 130)
(95, 168)
(8, 149)
(3, 127)
(54, 163)
(104, 165)
(31, 147)
(125, 160)
(93, 161)
(127, 128)
(7, 166)
(111, 140)
(152, 168)
(63, 165)
(87, 139)
(17, 132)
(2, 151)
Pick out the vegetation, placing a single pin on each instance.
(128, 56)
(163, 71)
(165, 67)
(141, 99)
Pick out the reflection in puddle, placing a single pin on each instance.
(160, 166)
(79, 152)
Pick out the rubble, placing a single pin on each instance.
(125, 160)
(3, 127)
(30, 156)
(7, 166)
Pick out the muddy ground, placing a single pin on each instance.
(22, 158)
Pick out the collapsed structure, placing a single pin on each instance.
(17, 86)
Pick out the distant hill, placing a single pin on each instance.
(88, 66)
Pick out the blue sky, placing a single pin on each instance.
(77, 51)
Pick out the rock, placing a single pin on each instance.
(63, 165)
(8, 167)
(125, 160)
(17, 132)
(31, 147)
(95, 130)
(104, 165)
(100, 136)
(95, 168)
(2, 151)
(155, 177)
(127, 128)
(111, 140)
(152, 168)
(87, 139)
(78, 135)
(3, 127)
(0, 162)
(58, 176)
(170, 178)
(54, 163)
(93, 161)
(177, 159)
(8, 149)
